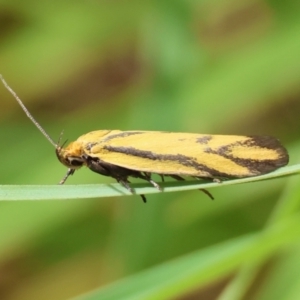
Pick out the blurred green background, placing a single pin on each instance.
(219, 67)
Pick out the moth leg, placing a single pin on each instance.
(147, 177)
(217, 180)
(125, 183)
(161, 176)
(116, 172)
(177, 177)
(144, 198)
(207, 193)
(69, 172)
(202, 190)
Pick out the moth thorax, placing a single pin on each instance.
(71, 156)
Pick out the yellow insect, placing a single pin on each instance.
(123, 154)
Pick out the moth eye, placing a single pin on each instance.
(75, 161)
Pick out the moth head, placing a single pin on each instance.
(71, 156)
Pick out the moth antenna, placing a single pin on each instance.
(41, 129)
(59, 140)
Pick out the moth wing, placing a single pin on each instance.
(189, 154)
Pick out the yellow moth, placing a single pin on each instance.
(123, 154)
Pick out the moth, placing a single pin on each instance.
(139, 154)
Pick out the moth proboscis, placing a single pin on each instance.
(139, 154)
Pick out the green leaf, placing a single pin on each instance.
(47, 192)
(194, 270)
